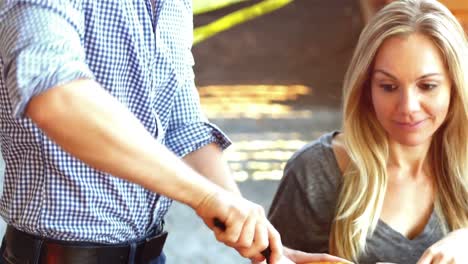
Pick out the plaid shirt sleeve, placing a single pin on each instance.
(189, 129)
(40, 48)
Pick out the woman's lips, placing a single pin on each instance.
(410, 126)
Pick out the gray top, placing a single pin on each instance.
(304, 205)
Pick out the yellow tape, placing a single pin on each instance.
(238, 17)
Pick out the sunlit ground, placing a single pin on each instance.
(252, 101)
(260, 151)
(261, 159)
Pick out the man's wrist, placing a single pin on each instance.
(205, 193)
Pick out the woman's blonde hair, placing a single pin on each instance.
(365, 181)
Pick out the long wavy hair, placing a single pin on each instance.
(362, 195)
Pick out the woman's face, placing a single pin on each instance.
(410, 89)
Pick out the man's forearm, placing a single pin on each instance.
(209, 162)
(92, 125)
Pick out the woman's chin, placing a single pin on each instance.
(411, 140)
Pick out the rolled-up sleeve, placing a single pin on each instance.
(189, 129)
(40, 48)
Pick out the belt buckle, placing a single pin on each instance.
(152, 247)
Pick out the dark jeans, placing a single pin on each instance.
(159, 260)
(29, 256)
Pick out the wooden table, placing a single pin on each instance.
(460, 9)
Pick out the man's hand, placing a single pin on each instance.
(247, 229)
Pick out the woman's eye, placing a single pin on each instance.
(428, 86)
(388, 87)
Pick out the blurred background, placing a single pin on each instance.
(269, 74)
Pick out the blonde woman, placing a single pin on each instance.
(392, 186)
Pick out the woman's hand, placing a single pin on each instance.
(291, 256)
(449, 250)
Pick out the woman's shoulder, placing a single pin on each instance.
(339, 150)
(318, 162)
(307, 195)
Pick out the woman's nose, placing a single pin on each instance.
(409, 101)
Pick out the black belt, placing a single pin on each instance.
(21, 247)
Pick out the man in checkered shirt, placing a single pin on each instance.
(97, 103)
(97, 106)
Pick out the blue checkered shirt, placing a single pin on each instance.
(139, 51)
